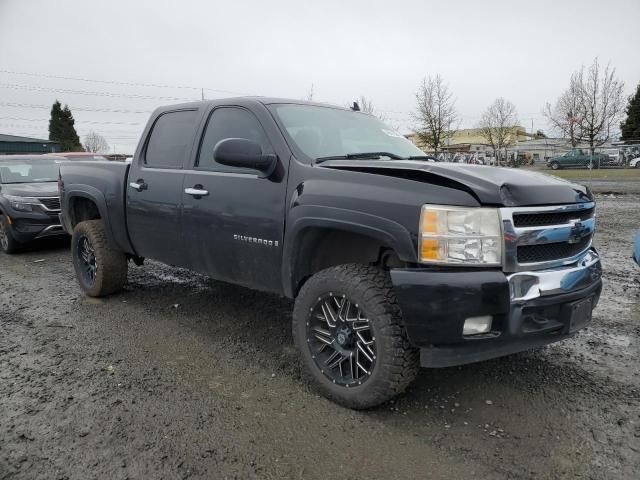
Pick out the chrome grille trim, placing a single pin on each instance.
(56, 201)
(571, 232)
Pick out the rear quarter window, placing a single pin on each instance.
(171, 139)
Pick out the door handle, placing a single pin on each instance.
(139, 185)
(196, 191)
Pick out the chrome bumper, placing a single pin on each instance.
(526, 286)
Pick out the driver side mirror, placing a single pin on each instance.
(243, 153)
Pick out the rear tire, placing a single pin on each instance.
(100, 269)
(8, 244)
(367, 329)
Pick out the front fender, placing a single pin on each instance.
(386, 231)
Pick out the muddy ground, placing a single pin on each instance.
(180, 376)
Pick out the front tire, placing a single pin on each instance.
(8, 244)
(100, 269)
(348, 328)
(554, 166)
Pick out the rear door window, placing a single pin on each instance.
(171, 139)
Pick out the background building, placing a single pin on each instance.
(10, 144)
(471, 140)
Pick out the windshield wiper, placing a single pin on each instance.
(361, 156)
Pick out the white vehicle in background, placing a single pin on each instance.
(615, 157)
(635, 163)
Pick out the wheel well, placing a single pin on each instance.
(320, 248)
(82, 209)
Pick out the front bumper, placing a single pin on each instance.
(529, 309)
(26, 227)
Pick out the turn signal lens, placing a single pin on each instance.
(457, 235)
(430, 249)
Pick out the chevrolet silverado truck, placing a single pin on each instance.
(394, 262)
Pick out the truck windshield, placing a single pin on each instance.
(29, 171)
(333, 132)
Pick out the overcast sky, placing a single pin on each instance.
(523, 51)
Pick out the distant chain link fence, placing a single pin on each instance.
(612, 156)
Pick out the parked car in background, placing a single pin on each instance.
(636, 249)
(86, 156)
(393, 263)
(635, 163)
(578, 158)
(29, 202)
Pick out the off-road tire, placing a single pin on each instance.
(111, 264)
(397, 362)
(8, 244)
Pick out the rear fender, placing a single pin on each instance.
(120, 242)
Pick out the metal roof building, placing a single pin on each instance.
(13, 144)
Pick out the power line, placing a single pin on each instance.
(114, 82)
(79, 129)
(92, 93)
(75, 108)
(21, 119)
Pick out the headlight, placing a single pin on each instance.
(457, 235)
(23, 204)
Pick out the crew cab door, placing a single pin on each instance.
(233, 218)
(154, 188)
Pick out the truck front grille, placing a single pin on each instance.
(551, 251)
(544, 219)
(51, 203)
(546, 237)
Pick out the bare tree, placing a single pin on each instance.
(564, 115)
(436, 115)
(590, 109)
(497, 125)
(310, 94)
(601, 103)
(94, 142)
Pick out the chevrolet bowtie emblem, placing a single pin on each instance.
(576, 232)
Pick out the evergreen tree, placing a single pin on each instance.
(62, 129)
(631, 126)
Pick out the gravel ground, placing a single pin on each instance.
(180, 376)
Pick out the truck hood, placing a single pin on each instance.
(494, 186)
(45, 189)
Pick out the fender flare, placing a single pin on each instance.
(97, 197)
(386, 231)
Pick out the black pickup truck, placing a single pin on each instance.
(394, 262)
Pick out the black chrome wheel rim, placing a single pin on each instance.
(341, 341)
(87, 257)
(4, 240)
